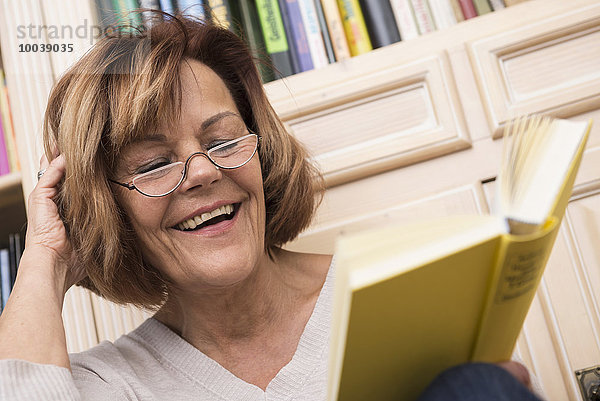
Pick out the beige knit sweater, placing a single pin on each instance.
(154, 363)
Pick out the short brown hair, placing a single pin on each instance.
(127, 84)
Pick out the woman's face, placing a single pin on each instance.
(213, 256)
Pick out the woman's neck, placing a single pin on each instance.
(225, 319)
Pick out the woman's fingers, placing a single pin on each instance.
(519, 372)
(53, 172)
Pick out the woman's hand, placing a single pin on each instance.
(518, 371)
(31, 325)
(46, 234)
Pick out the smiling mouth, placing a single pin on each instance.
(222, 213)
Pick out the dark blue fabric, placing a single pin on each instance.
(477, 382)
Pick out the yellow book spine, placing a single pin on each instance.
(355, 27)
(336, 29)
(519, 267)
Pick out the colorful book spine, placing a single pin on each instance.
(380, 21)
(297, 34)
(482, 7)
(405, 19)
(221, 13)
(4, 163)
(468, 8)
(314, 35)
(149, 16)
(457, 10)
(106, 12)
(354, 27)
(497, 5)
(252, 34)
(14, 254)
(192, 8)
(167, 6)
(274, 36)
(325, 32)
(124, 10)
(423, 16)
(336, 29)
(442, 13)
(7, 121)
(5, 275)
(288, 28)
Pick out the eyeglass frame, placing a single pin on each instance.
(131, 186)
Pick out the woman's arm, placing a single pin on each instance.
(31, 326)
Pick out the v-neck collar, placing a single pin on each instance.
(202, 370)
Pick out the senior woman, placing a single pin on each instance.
(172, 185)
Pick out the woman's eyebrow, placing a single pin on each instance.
(151, 137)
(215, 118)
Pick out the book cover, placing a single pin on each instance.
(325, 32)
(4, 276)
(423, 16)
(497, 5)
(355, 28)
(12, 258)
(167, 6)
(252, 34)
(442, 13)
(221, 13)
(123, 9)
(14, 253)
(288, 26)
(314, 36)
(380, 21)
(274, 35)
(468, 8)
(413, 300)
(192, 8)
(292, 21)
(458, 14)
(4, 163)
(482, 7)
(148, 16)
(9, 132)
(106, 12)
(405, 19)
(336, 29)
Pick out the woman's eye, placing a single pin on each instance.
(216, 143)
(152, 166)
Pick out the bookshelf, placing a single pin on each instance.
(403, 132)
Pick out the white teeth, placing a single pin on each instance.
(197, 220)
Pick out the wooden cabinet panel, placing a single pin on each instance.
(552, 66)
(464, 200)
(561, 333)
(536, 348)
(113, 320)
(77, 316)
(383, 120)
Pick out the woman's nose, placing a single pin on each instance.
(200, 172)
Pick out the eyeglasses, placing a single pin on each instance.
(165, 179)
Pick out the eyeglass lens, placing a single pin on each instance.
(228, 155)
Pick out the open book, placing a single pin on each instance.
(411, 301)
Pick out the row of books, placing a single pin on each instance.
(294, 36)
(9, 161)
(9, 261)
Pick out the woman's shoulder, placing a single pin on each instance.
(122, 364)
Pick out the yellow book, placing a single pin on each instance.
(354, 27)
(413, 300)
